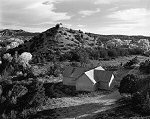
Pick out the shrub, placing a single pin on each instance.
(128, 84)
(139, 92)
(103, 53)
(146, 106)
(145, 67)
(20, 96)
(65, 33)
(78, 55)
(112, 67)
(75, 64)
(138, 99)
(54, 69)
(141, 102)
(147, 53)
(130, 63)
(122, 52)
(72, 31)
(136, 51)
(112, 53)
(57, 26)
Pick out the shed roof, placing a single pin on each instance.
(103, 76)
(99, 68)
(74, 72)
(67, 72)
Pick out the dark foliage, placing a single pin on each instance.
(78, 55)
(139, 89)
(55, 69)
(20, 96)
(130, 63)
(145, 67)
(97, 53)
(128, 84)
(112, 53)
(45, 45)
(136, 51)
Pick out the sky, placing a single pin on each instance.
(121, 17)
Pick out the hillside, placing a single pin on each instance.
(59, 40)
(6, 34)
(10, 39)
(9, 32)
(56, 39)
(122, 37)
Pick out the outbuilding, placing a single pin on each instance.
(95, 79)
(71, 74)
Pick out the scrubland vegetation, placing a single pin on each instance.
(30, 83)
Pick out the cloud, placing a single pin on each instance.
(138, 16)
(130, 14)
(31, 12)
(80, 26)
(67, 25)
(129, 21)
(0, 14)
(104, 1)
(114, 8)
(112, 1)
(123, 29)
(85, 13)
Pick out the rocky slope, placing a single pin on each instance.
(6, 34)
(60, 39)
(10, 39)
(13, 33)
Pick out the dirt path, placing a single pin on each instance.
(108, 102)
(80, 107)
(74, 101)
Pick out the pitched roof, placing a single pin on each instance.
(67, 72)
(104, 76)
(90, 75)
(99, 68)
(74, 72)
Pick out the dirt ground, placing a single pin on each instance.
(79, 107)
(65, 104)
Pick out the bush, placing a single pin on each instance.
(138, 99)
(103, 53)
(20, 96)
(128, 84)
(130, 63)
(139, 92)
(78, 55)
(75, 64)
(145, 67)
(141, 102)
(112, 67)
(122, 52)
(136, 51)
(55, 69)
(65, 33)
(17, 93)
(147, 53)
(112, 53)
(146, 106)
(57, 26)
